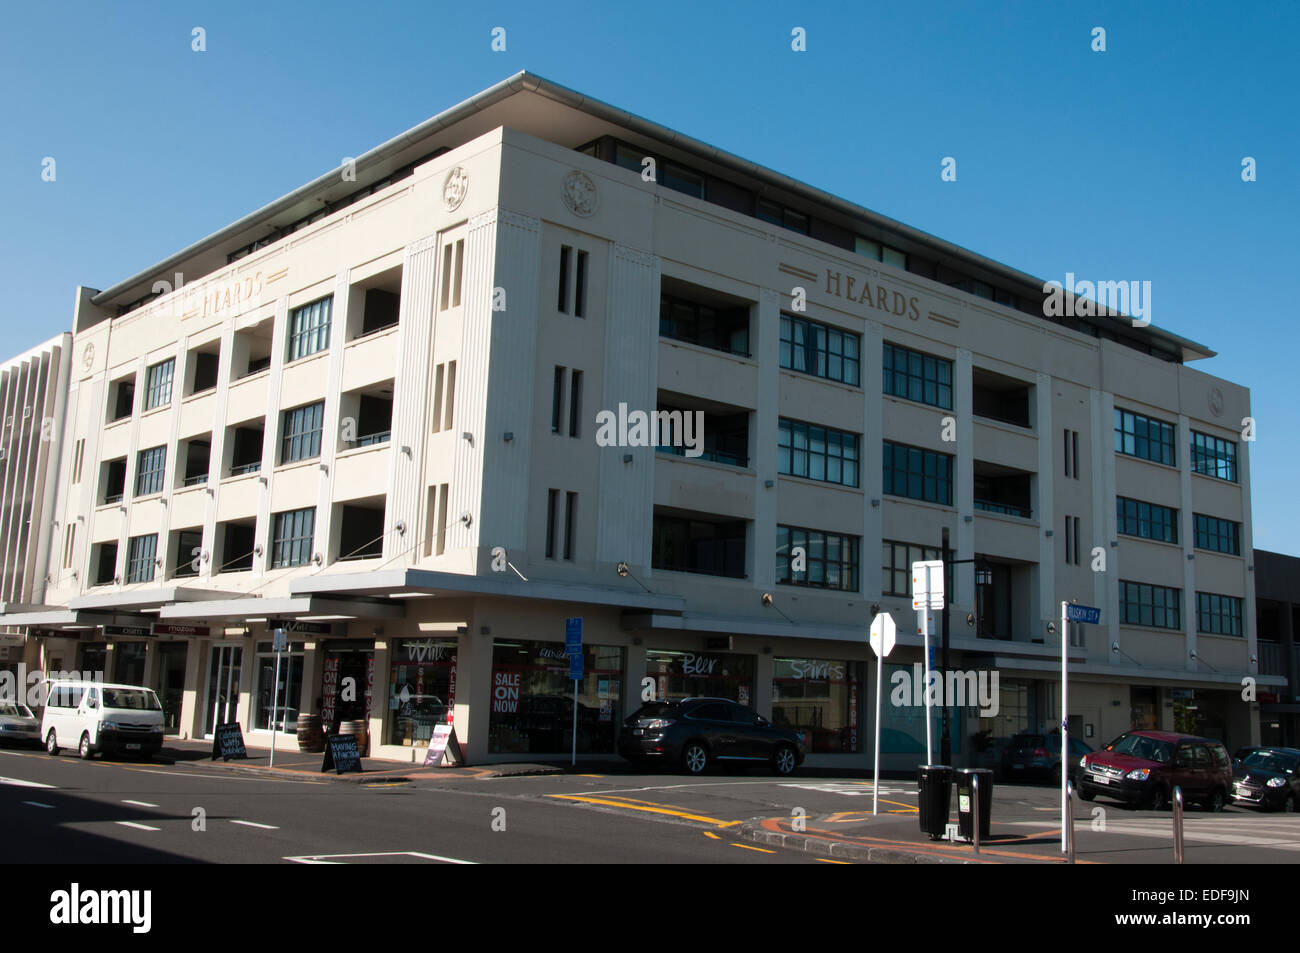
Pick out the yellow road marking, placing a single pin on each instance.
(711, 834)
(826, 861)
(591, 775)
(761, 850)
(637, 807)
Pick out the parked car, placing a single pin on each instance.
(695, 732)
(1241, 754)
(1269, 778)
(99, 717)
(1143, 767)
(17, 723)
(1039, 756)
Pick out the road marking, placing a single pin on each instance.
(265, 827)
(825, 860)
(139, 827)
(591, 775)
(761, 850)
(327, 858)
(38, 804)
(608, 802)
(19, 783)
(706, 834)
(139, 803)
(851, 788)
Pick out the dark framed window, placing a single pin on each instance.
(309, 328)
(291, 537)
(682, 544)
(896, 565)
(106, 565)
(913, 375)
(149, 469)
(189, 546)
(158, 388)
(1221, 536)
(1156, 606)
(301, 432)
(1146, 520)
(719, 328)
(917, 474)
(830, 559)
(818, 453)
(1218, 615)
(140, 554)
(819, 349)
(778, 214)
(1214, 456)
(1144, 437)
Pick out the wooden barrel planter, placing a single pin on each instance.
(310, 737)
(357, 729)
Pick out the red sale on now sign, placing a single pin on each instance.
(505, 692)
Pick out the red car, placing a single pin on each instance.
(1143, 767)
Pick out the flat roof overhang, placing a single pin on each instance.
(303, 608)
(67, 618)
(1143, 676)
(147, 600)
(423, 583)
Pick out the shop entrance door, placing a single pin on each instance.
(171, 682)
(223, 686)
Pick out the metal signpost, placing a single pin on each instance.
(280, 640)
(883, 635)
(927, 594)
(573, 646)
(1070, 612)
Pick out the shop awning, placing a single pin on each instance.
(1138, 675)
(148, 599)
(397, 584)
(304, 608)
(65, 618)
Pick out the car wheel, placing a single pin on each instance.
(784, 761)
(1085, 795)
(1159, 800)
(51, 743)
(695, 757)
(1214, 803)
(83, 749)
(1288, 806)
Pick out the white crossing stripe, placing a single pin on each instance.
(139, 827)
(330, 858)
(38, 804)
(19, 783)
(851, 788)
(139, 803)
(265, 827)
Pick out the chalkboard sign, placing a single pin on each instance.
(443, 747)
(341, 754)
(228, 742)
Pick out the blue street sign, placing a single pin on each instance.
(573, 635)
(1085, 614)
(575, 665)
(933, 665)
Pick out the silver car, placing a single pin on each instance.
(17, 723)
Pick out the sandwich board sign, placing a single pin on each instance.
(228, 742)
(443, 747)
(341, 754)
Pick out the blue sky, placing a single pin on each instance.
(1122, 164)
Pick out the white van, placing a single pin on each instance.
(95, 716)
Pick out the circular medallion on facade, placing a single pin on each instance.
(454, 188)
(1216, 401)
(579, 193)
(88, 356)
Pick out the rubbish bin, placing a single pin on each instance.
(965, 815)
(934, 795)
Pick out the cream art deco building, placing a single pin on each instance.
(371, 408)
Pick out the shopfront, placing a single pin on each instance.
(128, 662)
(421, 688)
(171, 682)
(902, 717)
(683, 674)
(283, 698)
(1144, 707)
(347, 682)
(532, 698)
(821, 700)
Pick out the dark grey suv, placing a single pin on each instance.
(695, 732)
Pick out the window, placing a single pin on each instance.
(149, 469)
(562, 303)
(198, 459)
(778, 214)
(1157, 606)
(719, 328)
(818, 453)
(580, 292)
(140, 554)
(309, 329)
(291, 538)
(69, 544)
(114, 481)
(106, 565)
(302, 430)
(681, 179)
(557, 399)
(284, 698)
(896, 565)
(830, 560)
(189, 547)
(917, 474)
(878, 252)
(1144, 437)
(449, 399)
(1072, 540)
(453, 270)
(122, 399)
(684, 544)
(575, 401)
(1147, 520)
(78, 457)
(552, 498)
(206, 364)
(1213, 456)
(1221, 536)
(916, 376)
(1072, 453)
(819, 349)
(1218, 615)
(570, 514)
(158, 384)
(438, 375)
